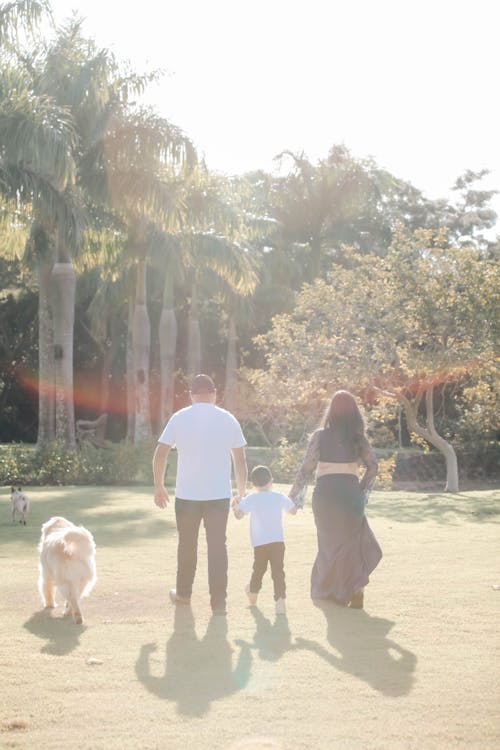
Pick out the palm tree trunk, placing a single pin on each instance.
(168, 345)
(194, 336)
(63, 286)
(46, 403)
(141, 338)
(231, 367)
(129, 357)
(109, 349)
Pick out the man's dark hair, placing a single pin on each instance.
(202, 384)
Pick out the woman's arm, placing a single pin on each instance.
(307, 467)
(369, 459)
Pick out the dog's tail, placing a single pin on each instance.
(77, 539)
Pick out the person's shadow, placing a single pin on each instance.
(271, 639)
(363, 649)
(196, 672)
(61, 633)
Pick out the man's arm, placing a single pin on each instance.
(240, 470)
(159, 467)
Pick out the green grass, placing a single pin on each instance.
(417, 669)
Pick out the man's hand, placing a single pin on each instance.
(236, 499)
(161, 497)
(159, 467)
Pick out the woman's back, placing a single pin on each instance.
(335, 448)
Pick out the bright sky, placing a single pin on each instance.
(412, 83)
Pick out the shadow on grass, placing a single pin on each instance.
(196, 671)
(84, 506)
(444, 508)
(61, 634)
(363, 649)
(122, 528)
(271, 639)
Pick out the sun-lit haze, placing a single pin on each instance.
(411, 84)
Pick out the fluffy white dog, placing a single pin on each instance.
(20, 504)
(67, 561)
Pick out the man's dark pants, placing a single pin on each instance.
(188, 515)
(263, 554)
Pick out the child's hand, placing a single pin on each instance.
(236, 499)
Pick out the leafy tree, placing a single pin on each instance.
(396, 327)
(471, 215)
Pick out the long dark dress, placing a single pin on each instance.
(347, 549)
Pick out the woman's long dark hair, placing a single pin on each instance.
(344, 419)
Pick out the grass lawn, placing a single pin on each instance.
(417, 669)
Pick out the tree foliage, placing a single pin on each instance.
(424, 315)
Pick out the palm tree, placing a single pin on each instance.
(167, 260)
(124, 162)
(315, 204)
(217, 251)
(37, 166)
(112, 155)
(151, 201)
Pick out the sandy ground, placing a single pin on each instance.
(418, 668)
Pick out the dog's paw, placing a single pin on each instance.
(78, 618)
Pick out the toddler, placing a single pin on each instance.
(266, 532)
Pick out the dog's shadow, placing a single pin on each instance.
(61, 633)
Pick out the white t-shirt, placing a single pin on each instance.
(204, 436)
(266, 509)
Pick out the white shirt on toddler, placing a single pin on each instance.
(266, 509)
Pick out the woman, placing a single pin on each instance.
(347, 548)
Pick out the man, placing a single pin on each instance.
(206, 438)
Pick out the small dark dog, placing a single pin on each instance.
(20, 504)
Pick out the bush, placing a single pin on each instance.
(259, 456)
(386, 468)
(287, 460)
(60, 464)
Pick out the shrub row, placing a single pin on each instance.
(59, 464)
(125, 464)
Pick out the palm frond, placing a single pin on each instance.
(227, 260)
(21, 16)
(35, 133)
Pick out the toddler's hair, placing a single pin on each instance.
(260, 476)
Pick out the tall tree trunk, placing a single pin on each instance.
(315, 245)
(107, 363)
(130, 377)
(194, 336)
(63, 286)
(430, 434)
(109, 350)
(231, 367)
(46, 402)
(141, 340)
(168, 345)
